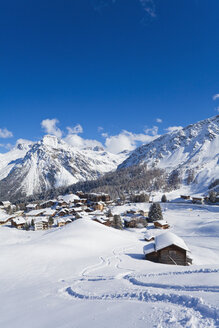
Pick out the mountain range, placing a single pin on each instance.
(34, 167)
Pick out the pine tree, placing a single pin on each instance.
(164, 199)
(117, 222)
(27, 226)
(51, 221)
(212, 196)
(155, 212)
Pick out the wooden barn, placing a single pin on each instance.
(167, 248)
(135, 222)
(148, 236)
(197, 200)
(185, 197)
(18, 222)
(103, 220)
(161, 224)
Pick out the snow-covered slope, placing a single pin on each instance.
(88, 275)
(193, 151)
(50, 163)
(14, 156)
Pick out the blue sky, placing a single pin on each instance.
(105, 66)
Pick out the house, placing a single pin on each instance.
(197, 200)
(5, 204)
(167, 248)
(185, 197)
(31, 207)
(62, 222)
(99, 206)
(103, 220)
(49, 212)
(148, 236)
(135, 222)
(161, 224)
(143, 213)
(35, 213)
(18, 222)
(41, 224)
(63, 212)
(48, 203)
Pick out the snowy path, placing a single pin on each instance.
(133, 287)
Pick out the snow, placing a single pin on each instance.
(88, 275)
(168, 238)
(68, 198)
(194, 148)
(51, 162)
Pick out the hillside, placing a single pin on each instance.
(86, 274)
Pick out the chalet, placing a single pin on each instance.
(167, 248)
(185, 197)
(148, 236)
(35, 213)
(144, 213)
(48, 203)
(4, 220)
(41, 224)
(135, 222)
(197, 200)
(99, 206)
(62, 222)
(31, 207)
(5, 204)
(49, 212)
(161, 224)
(18, 222)
(63, 212)
(103, 220)
(94, 197)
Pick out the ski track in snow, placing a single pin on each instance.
(148, 294)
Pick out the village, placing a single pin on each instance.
(161, 247)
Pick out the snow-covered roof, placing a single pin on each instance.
(31, 205)
(149, 248)
(148, 235)
(168, 238)
(5, 203)
(41, 219)
(19, 220)
(49, 211)
(161, 222)
(101, 220)
(68, 198)
(35, 212)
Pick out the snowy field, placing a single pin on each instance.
(88, 275)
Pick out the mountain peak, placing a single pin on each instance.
(51, 141)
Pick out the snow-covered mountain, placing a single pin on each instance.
(193, 151)
(50, 163)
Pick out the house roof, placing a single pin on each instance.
(168, 238)
(161, 222)
(149, 248)
(148, 235)
(164, 240)
(19, 220)
(35, 212)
